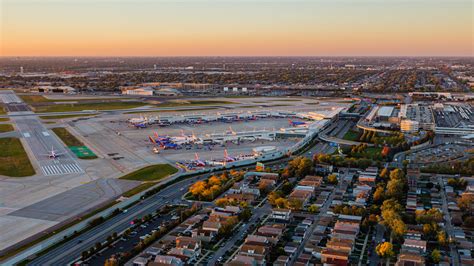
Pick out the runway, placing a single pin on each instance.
(41, 141)
(9, 96)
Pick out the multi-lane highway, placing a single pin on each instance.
(72, 249)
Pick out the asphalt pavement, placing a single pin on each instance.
(240, 234)
(454, 255)
(72, 249)
(342, 184)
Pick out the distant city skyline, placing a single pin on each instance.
(236, 28)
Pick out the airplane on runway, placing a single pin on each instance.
(53, 155)
(297, 123)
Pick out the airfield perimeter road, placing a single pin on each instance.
(72, 249)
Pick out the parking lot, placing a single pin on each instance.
(439, 153)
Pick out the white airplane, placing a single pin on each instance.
(185, 139)
(197, 161)
(227, 158)
(138, 120)
(53, 154)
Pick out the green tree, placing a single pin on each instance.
(296, 204)
(395, 188)
(304, 167)
(228, 226)
(286, 188)
(436, 256)
(429, 216)
(313, 208)
(396, 174)
(245, 214)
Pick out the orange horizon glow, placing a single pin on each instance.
(236, 28)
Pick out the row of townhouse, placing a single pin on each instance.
(249, 189)
(209, 229)
(412, 252)
(462, 235)
(257, 246)
(306, 189)
(342, 240)
(174, 248)
(418, 188)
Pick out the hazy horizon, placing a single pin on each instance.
(162, 28)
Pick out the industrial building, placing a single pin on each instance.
(235, 90)
(149, 91)
(53, 89)
(454, 119)
(409, 126)
(146, 91)
(422, 114)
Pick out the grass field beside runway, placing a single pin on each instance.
(114, 105)
(32, 99)
(74, 107)
(51, 117)
(192, 103)
(151, 173)
(74, 144)
(14, 161)
(6, 128)
(67, 137)
(171, 111)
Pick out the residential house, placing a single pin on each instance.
(283, 215)
(407, 258)
(166, 260)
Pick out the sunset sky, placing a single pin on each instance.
(236, 27)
